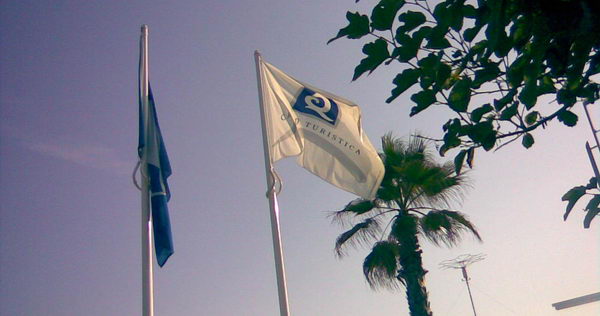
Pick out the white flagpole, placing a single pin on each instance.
(272, 196)
(147, 275)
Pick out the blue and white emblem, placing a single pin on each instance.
(317, 105)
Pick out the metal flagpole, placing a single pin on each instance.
(147, 275)
(272, 196)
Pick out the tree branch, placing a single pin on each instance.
(536, 125)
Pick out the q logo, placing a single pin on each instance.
(317, 105)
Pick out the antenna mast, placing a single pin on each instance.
(461, 262)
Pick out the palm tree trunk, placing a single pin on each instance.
(412, 272)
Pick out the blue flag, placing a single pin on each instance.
(153, 155)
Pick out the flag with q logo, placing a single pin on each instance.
(322, 129)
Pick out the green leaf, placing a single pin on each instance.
(566, 97)
(520, 32)
(471, 157)
(495, 30)
(592, 210)
(408, 48)
(538, 47)
(411, 20)
(443, 72)
(590, 92)
(469, 11)
(437, 39)
(384, 13)
(593, 203)
(592, 184)
(489, 141)
(451, 140)
(478, 50)
(529, 94)
(428, 67)
(556, 62)
(567, 117)
(532, 71)
(456, 13)
(503, 46)
(509, 112)
(422, 33)
(483, 133)
(357, 27)
(579, 55)
(460, 95)
(502, 102)
(531, 118)
(469, 34)
(376, 52)
(546, 85)
(442, 14)
(459, 160)
(423, 99)
(527, 140)
(403, 81)
(516, 71)
(572, 196)
(478, 113)
(452, 125)
(488, 73)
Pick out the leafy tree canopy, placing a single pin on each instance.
(512, 52)
(489, 62)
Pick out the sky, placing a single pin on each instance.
(70, 218)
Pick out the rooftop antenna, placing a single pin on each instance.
(589, 148)
(461, 262)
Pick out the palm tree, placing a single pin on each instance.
(412, 202)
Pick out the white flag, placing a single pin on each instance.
(323, 130)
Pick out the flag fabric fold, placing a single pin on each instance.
(154, 161)
(323, 130)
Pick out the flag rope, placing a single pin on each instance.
(135, 182)
(277, 182)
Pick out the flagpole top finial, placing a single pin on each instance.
(145, 28)
(256, 53)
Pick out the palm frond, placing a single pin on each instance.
(389, 191)
(353, 209)
(381, 266)
(418, 146)
(359, 235)
(412, 173)
(441, 187)
(446, 227)
(392, 147)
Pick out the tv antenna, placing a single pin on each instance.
(461, 262)
(589, 148)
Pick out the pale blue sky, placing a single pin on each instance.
(69, 213)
